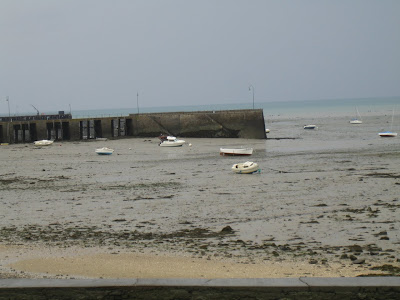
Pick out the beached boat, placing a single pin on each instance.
(389, 133)
(235, 151)
(104, 151)
(43, 143)
(310, 126)
(356, 120)
(245, 168)
(171, 141)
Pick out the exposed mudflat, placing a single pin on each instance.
(326, 203)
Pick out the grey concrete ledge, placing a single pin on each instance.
(303, 288)
(352, 281)
(302, 282)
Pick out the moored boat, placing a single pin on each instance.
(387, 134)
(235, 151)
(43, 143)
(104, 151)
(171, 141)
(356, 120)
(247, 167)
(310, 126)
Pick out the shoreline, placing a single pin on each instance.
(58, 263)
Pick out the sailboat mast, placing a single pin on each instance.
(391, 125)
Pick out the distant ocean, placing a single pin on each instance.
(284, 109)
(304, 108)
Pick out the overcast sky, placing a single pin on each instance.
(96, 54)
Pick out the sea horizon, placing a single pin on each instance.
(289, 108)
(274, 108)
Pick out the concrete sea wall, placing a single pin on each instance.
(208, 124)
(377, 288)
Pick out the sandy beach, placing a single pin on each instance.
(325, 204)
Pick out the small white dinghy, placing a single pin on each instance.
(104, 151)
(171, 141)
(245, 168)
(387, 134)
(43, 143)
(235, 151)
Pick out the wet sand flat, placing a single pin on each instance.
(324, 204)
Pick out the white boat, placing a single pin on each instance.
(389, 133)
(171, 141)
(235, 151)
(104, 151)
(356, 120)
(43, 143)
(310, 126)
(245, 168)
(267, 130)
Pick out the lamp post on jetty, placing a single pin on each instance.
(137, 102)
(251, 88)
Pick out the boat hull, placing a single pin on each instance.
(43, 143)
(388, 134)
(177, 143)
(234, 152)
(104, 151)
(170, 141)
(310, 127)
(355, 122)
(245, 168)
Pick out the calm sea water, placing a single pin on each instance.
(305, 108)
(284, 109)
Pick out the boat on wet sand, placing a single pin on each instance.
(356, 120)
(247, 167)
(171, 141)
(310, 126)
(104, 151)
(235, 151)
(43, 143)
(389, 133)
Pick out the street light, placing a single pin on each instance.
(251, 88)
(137, 102)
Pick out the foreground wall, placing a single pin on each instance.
(304, 288)
(211, 124)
